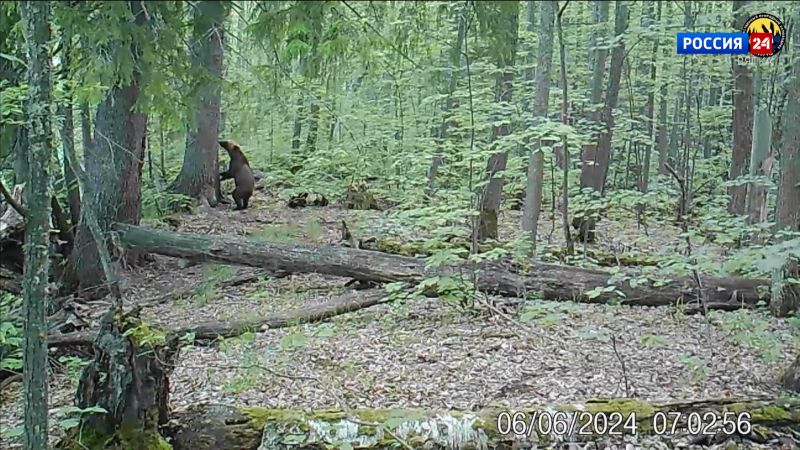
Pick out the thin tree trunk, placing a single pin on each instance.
(68, 135)
(535, 182)
(313, 126)
(760, 166)
(506, 40)
(454, 68)
(595, 174)
(742, 122)
(297, 129)
(650, 107)
(36, 27)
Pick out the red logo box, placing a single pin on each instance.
(761, 43)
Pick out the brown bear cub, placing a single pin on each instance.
(239, 169)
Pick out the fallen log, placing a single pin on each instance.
(217, 426)
(205, 332)
(548, 281)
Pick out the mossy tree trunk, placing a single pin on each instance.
(199, 176)
(206, 427)
(36, 27)
(129, 379)
(114, 163)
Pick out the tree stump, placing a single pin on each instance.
(128, 378)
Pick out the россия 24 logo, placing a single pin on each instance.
(766, 35)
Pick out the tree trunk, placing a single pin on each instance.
(552, 282)
(596, 160)
(644, 178)
(128, 379)
(787, 214)
(313, 126)
(454, 67)
(298, 123)
(214, 426)
(114, 169)
(760, 166)
(68, 135)
(199, 176)
(742, 121)
(788, 209)
(36, 27)
(534, 185)
(86, 128)
(505, 41)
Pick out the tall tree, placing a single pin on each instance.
(68, 130)
(742, 120)
(650, 21)
(760, 160)
(594, 171)
(35, 20)
(199, 176)
(453, 69)
(500, 19)
(787, 214)
(534, 187)
(114, 160)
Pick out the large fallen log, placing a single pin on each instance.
(216, 426)
(549, 281)
(205, 332)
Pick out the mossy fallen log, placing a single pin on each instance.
(547, 281)
(209, 331)
(204, 427)
(423, 248)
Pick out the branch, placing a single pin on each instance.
(11, 201)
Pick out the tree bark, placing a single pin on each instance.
(36, 27)
(213, 426)
(535, 181)
(787, 214)
(505, 41)
(128, 378)
(551, 281)
(596, 161)
(199, 176)
(113, 164)
(68, 135)
(742, 121)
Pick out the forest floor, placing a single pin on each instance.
(426, 353)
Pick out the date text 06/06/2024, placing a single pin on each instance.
(584, 423)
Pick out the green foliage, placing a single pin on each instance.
(10, 333)
(695, 366)
(751, 330)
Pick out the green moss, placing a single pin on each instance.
(125, 439)
(770, 413)
(260, 416)
(143, 335)
(624, 406)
